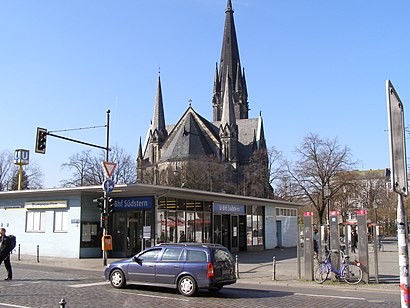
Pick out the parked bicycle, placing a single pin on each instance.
(348, 271)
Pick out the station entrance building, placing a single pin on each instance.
(64, 222)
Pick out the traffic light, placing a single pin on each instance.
(111, 205)
(100, 203)
(41, 138)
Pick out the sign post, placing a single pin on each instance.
(398, 165)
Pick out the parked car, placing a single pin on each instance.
(186, 266)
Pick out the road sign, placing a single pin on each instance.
(21, 157)
(108, 185)
(395, 110)
(109, 168)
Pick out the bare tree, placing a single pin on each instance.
(9, 173)
(318, 166)
(88, 170)
(6, 167)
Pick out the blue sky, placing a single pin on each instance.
(311, 66)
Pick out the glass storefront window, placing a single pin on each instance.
(183, 221)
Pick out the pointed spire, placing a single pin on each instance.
(140, 150)
(260, 134)
(216, 79)
(158, 119)
(228, 111)
(230, 50)
(245, 88)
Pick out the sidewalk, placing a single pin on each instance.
(257, 267)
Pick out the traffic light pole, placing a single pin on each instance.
(105, 214)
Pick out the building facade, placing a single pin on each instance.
(65, 222)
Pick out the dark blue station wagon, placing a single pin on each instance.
(188, 267)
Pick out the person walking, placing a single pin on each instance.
(5, 249)
(354, 241)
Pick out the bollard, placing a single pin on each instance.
(274, 268)
(62, 303)
(237, 266)
(18, 253)
(38, 253)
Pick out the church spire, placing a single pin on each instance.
(230, 64)
(230, 50)
(158, 129)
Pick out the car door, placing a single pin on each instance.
(143, 269)
(169, 265)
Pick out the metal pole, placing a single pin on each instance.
(403, 253)
(274, 268)
(105, 222)
(237, 266)
(328, 223)
(20, 176)
(376, 246)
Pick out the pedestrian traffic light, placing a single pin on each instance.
(111, 205)
(99, 202)
(41, 138)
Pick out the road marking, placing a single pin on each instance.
(332, 296)
(84, 285)
(15, 306)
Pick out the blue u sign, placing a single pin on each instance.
(21, 157)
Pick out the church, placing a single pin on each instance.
(228, 154)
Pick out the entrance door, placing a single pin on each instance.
(226, 231)
(242, 233)
(134, 236)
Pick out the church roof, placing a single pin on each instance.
(192, 137)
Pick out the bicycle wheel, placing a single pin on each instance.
(321, 273)
(353, 274)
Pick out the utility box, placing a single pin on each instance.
(106, 242)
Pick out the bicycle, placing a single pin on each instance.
(350, 273)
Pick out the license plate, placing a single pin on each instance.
(226, 272)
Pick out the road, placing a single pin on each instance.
(44, 286)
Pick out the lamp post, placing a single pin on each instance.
(326, 195)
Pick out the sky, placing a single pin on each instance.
(313, 66)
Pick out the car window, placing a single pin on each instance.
(172, 254)
(150, 255)
(221, 255)
(196, 256)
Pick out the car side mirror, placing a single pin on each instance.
(137, 260)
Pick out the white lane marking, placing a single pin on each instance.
(15, 306)
(332, 296)
(84, 285)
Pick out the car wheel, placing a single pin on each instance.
(187, 286)
(117, 279)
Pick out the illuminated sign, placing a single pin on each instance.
(228, 208)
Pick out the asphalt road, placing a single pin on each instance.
(45, 286)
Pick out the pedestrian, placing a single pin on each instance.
(5, 250)
(353, 240)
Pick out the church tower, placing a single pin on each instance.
(230, 64)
